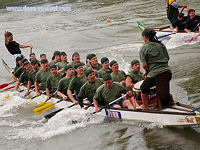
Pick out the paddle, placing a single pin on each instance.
(110, 103)
(162, 36)
(9, 88)
(6, 66)
(5, 85)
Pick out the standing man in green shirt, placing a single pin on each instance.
(52, 81)
(76, 83)
(105, 67)
(89, 88)
(134, 75)
(154, 58)
(109, 92)
(64, 82)
(41, 77)
(117, 75)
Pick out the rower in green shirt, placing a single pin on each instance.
(93, 62)
(61, 65)
(134, 75)
(76, 60)
(117, 75)
(52, 81)
(55, 58)
(89, 88)
(76, 83)
(64, 82)
(41, 77)
(105, 67)
(109, 92)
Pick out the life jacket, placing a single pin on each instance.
(171, 11)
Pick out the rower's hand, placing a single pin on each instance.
(65, 98)
(129, 93)
(26, 93)
(37, 94)
(31, 46)
(75, 102)
(48, 97)
(97, 109)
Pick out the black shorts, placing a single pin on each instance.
(147, 84)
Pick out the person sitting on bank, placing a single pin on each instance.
(12, 46)
(76, 83)
(193, 23)
(76, 60)
(154, 58)
(105, 67)
(64, 82)
(52, 81)
(172, 10)
(23, 79)
(61, 65)
(89, 88)
(109, 92)
(134, 75)
(55, 59)
(31, 74)
(180, 24)
(41, 77)
(117, 75)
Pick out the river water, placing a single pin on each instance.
(84, 29)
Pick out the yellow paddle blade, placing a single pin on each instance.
(6, 97)
(40, 104)
(43, 108)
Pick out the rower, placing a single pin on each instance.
(105, 67)
(76, 83)
(61, 65)
(32, 74)
(52, 81)
(93, 62)
(32, 56)
(134, 75)
(23, 79)
(64, 82)
(76, 60)
(172, 10)
(180, 23)
(89, 88)
(19, 63)
(55, 59)
(154, 58)
(117, 75)
(12, 46)
(41, 77)
(19, 71)
(43, 56)
(109, 92)
(193, 23)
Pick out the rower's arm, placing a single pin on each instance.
(62, 95)
(25, 46)
(48, 93)
(36, 89)
(17, 85)
(96, 105)
(70, 95)
(28, 87)
(129, 83)
(145, 66)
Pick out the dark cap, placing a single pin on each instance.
(77, 65)
(149, 33)
(19, 58)
(42, 55)
(9, 34)
(44, 61)
(24, 60)
(90, 56)
(53, 66)
(135, 61)
(75, 53)
(68, 67)
(113, 62)
(88, 71)
(63, 54)
(104, 59)
(56, 53)
(107, 77)
(26, 63)
(32, 54)
(34, 61)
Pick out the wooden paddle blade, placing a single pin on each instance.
(4, 85)
(43, 108)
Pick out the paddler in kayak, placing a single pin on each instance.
(12, 46)
(154, 59)
(172, 10)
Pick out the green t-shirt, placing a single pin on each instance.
(88, 89)
(24, 77)
(118, 77)
(86, 66)
(135, 76)
(156, 56)
(76, 84)
(52, 63)
(61, 65)
(97, 67)
(106, 95)
(19, 71)
(52, 82)
(103, 71)
(72, 64)
(41, 77)
(64, 84)
(31, 76)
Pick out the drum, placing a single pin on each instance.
(152, 98)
